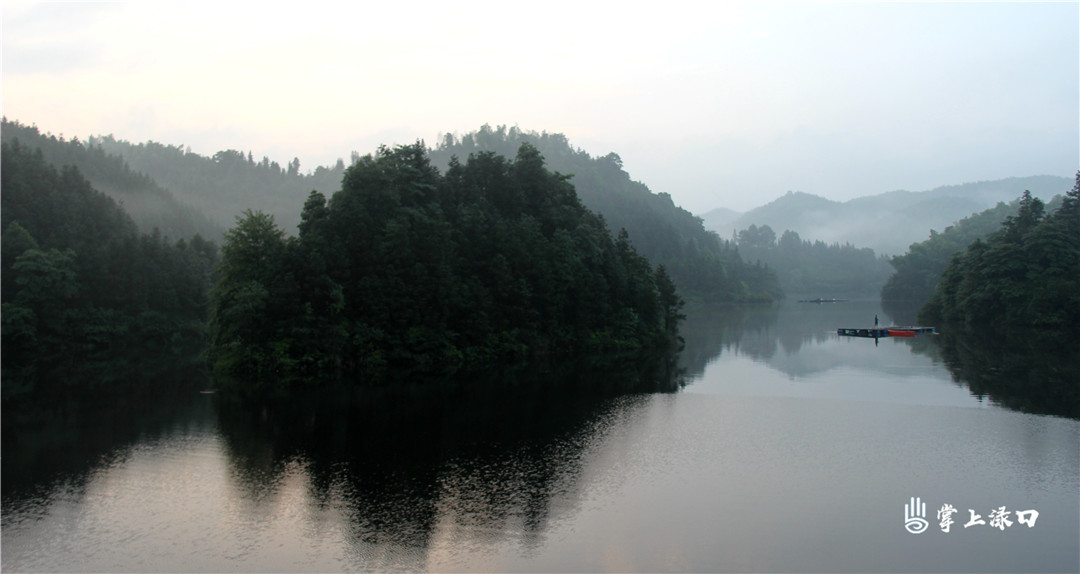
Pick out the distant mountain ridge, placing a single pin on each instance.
(888, 222)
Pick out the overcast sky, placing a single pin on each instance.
(728, 105)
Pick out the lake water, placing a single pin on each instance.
(788, 449)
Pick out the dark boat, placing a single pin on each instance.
(877, 332)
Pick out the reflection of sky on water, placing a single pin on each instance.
(888, 373)
(793, 449)
(793, 351)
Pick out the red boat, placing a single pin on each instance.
(901, 333)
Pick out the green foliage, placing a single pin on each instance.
(82, 288)
(408, 271)
(703, 266)
(1025, 275)
(1030, 370)
(814, 268)
(919, 270)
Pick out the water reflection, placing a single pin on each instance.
(568, 468)
(1025, 371)
(451, 465)
(798, 339)
(66, 439)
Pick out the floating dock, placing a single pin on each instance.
(878, 332)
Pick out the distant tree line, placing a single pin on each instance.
(175, 185)
(86, 295)
(228, 182)
(149, 204)
(408, 271)
(814, 268)
(1026, 275)
(918, 271)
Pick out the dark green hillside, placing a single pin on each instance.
(1025, 275)
(408, 271)
(919, 270)
(230, 181)
(87, 298)
(144, 199)
(702, 264)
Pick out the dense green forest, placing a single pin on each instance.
(87, 298)
(918, 271)
(1026, 275)
(148, 203)
(815, 268)
(408, 271)
(703, 265)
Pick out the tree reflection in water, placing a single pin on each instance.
(1031, 372)
(479, 457)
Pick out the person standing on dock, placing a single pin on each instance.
(875, 320)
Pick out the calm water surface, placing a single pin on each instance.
(788, 449)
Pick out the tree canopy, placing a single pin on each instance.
(704, 266)
(814, 267)
(82, 287)
(1026, 275)
(407, 270)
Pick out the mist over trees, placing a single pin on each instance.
(87, 297)
(230, 181)
(149, 204)
(888, 222)
(703, 265)
(408, 271)
(918, 271)
(1025, 276)
(814, 268)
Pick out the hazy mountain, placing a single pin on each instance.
(720, 218)
(889, 222)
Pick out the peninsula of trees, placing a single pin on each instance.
(408, 270)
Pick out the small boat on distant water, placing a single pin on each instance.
(820, 300)
(876, 332)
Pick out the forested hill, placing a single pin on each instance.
(815, 269)
(702, 264)
(147, 202)
(1025, 275)
(918, 271)
(889, 222)
(87, 298)
(408, 271)
(230, 181)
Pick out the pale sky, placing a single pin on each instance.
(720, 104)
